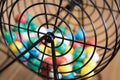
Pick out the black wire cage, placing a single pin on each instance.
(29, 30)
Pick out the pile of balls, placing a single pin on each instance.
(72, 58)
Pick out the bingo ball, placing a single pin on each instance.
(65, 69)
(85, 71)
(21, 18)
(70, 76)
(25, 56)
(61, 29)
(15, 46)
(91, 41)
(48, 63)
(77, 66)
(62, 48)
(69, 57)
(10, 36)
(89, 49)
(80, 35)
(79, 54)
(90, 62)
(61, 60)
(35, 51)
(34, 64)
(17, 36)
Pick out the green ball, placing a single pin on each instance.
(21, 27)
(34, 64)
(33, 26)
(62, 28)
(76, 66)
(10, 37)
(77, 53)
(61, 48)
(29, 18)
(33, 40)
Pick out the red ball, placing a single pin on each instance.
(23, 18)
(61, 60)
(17, 36)
(45, 72)
(81, 43)
(91, 41)
(75, 44)
(47, 64)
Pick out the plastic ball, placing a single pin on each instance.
(61, 60)
(70, 76)
(42, 56)
(61, 29)
(25, 36)
(67, 42)
(48, 63)
(45, 73)
(29, 18)
(69, 57)
(78, 52)
(77, 66)
(9, 37)
(75, 44)
(35, 51)
(42, 47)
(15, 46)
(51, 74)
(69, 36)
(42, 31)
(50, 30)
(20, 28)
(17, 36)
(22, 18)
(95, 56)
(58, 37)
(71, 49)
(91, 41)
(80, 35)
(32, 41)
(85, 70)
(65, 70)
(25, 56)
(33, 26)
(34, 64)
(62, 48)
(92, 63)
(89, 49)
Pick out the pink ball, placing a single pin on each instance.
(23, 18)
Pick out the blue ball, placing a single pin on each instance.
(80, 35)
(50, 30)
(69, 36)
(35, 52)
(70, 76)
(25, 56)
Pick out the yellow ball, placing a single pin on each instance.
(71, 51)
(89, 49)
(65, 68)
(57, 53)
(42, 47)
(15, 45)
(92, 63)
(85, 70)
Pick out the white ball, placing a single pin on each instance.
(95, 56)
(42, 31)
(67, 42)
(25, 36)
(58, 35)
(44, 56)
(51, 74)
(69, 57)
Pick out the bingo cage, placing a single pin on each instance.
(60, 39)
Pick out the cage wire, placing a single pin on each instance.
(42, 22)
